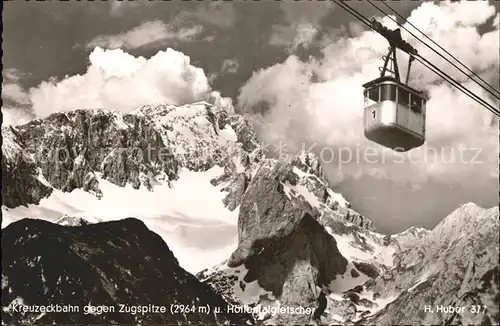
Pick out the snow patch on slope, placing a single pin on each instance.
(338, 198)
(300, 190)
(380, 303)
(309, 196)
(234, 285)
(346, 281)
(350, 250)
(228, 134)
(251, 292)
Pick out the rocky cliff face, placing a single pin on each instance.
(300, 247)
(20, 184)
(281, 242)
(115, 266)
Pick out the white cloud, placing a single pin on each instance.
(118, 81)
(15, 93)
(301, 24)
(118, 8)
(226, 103)
(16, 101)
(212, 77)
(12, 91)
(12, 75)
(292, 37)
(329, 112)
(221, 14)
(305, 34)
(454, 27)
(151, 32)
(230, 66)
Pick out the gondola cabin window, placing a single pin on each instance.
(372, 96)
(375, 94)
(416, 103)
(403, 97)
(417, 117)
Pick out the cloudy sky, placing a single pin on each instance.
(296, 68)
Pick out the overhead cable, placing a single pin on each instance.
(421, 59)
(440, 47)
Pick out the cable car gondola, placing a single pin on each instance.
(394, 113)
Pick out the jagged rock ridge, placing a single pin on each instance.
(148, 146)
(300, 243)
(454, 265)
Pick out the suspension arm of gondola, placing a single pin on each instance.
(396, 67)
(386, 58)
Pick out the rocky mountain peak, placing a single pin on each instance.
(117, 266)
(145, 147)
(77, 220)
(299, 243)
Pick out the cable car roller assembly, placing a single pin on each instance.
(394, 113)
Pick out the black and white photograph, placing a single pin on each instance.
(246, 162)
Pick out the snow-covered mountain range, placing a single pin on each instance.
(258, 232)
